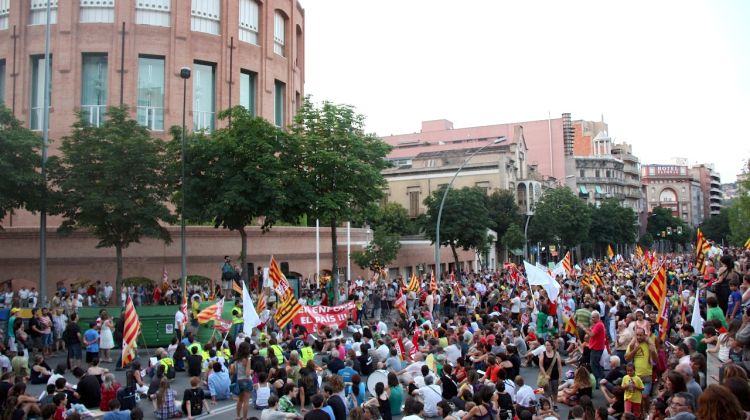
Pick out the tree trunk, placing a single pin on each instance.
(455, 255)
(334, 262)
(243, 255)
(118, 277)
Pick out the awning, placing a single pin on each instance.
(599, 190)
(583, 190)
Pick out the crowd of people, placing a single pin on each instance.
(460, 349)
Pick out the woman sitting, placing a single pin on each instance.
(40, 371)
(581, 386)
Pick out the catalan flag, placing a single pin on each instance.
(400, 303)
(747, 244)
(280, 283)
(413, 285)
(610, 252)
(130, 333)
(433, 283)
(211, 312)
(567, 263)
(639, 252)
(664, 319)
(236, 286)
(287, 309)
(657, 288)
(598, 280)
(585, 281)
(570, 326)
(261, 304)
(701, 247)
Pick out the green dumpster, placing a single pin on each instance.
(157, 322)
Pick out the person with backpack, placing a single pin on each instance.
(193, 400)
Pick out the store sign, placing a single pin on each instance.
(670, 170)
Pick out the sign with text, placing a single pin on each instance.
(316, 317)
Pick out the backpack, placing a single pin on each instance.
(127, 398)
(196, 402)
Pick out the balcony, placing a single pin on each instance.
(151, 117)
(203, 121)
(93, 114)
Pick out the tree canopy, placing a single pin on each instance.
(663, 225)
(561, 217)
(612, 223)
(338, 164)
(112, 180)
(21, 183)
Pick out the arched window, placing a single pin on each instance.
(668, 195)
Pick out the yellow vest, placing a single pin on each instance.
(279, 353)
(195, 344)
(237, 316)
(205, 355)
(306, 354)
(168, 364)
(227, 354)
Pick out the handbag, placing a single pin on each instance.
(543, 380)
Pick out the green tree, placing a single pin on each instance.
(112, 180)
(338, 165)
(379, 253)
(560, 216)
(716, 227)
(21, 183)
(503, 212)
(739, 212)
(513, 237)
(661, 222)
(464, 221)
(612, 224)
(393, 218)
(236, 176)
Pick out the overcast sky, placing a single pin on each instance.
(670, 77)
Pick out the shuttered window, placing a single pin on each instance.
(97, 11)
(249, 22)
(205, 16)
(38, 15)
(152, 12)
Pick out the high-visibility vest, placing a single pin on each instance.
(306, 354)
(279, 353)
(237, 316)
(195, 344)
(167, 363)
(227, 354)
(205, 355)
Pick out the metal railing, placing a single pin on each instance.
(152, 117)
(203, 120)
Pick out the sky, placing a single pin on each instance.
(672, 78)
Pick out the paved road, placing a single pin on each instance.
(225, 409)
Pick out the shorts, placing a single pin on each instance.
(74, 351)
(90, 356)
(245, 385)
(12, 344)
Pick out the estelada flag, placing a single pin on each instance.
(287, 309)
(211, 312)
(657, 288)
(610, 252)
(131, 329)
(433, 283)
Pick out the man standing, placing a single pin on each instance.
(642, 352)
(91, 341)
(179, 320)
(597, 342)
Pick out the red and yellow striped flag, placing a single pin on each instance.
(664, 319)
(598, 280)
(747, 244)
(567, 263)
(657, 288)
(701, 247)
(433, 283)
(261, 304)
(585, 281)
(211, 312)
(413, 285)
(639, 252)
(610, 252)
(287, 309)
(280, 283)
(131, 330)
(570, 326)
(237, 286)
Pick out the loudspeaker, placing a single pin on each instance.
(250, 269)
(285, 268)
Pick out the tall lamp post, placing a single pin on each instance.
(526, 236)
(185, 75)
(442, 203)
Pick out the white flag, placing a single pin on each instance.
(696, 320)
(250, 318)
(539, 277)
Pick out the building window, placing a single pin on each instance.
(413, 203)
(204, 96)
(249, 12)
(38, 69)
(94, 88)
(205, 16)
(484, 186)
(279, 33)
(608, 174)
(248, 90)
(150, 109)
(153, 12)
(582, 173)
(279, 95)
(4, 13)
(97, 11)
(596, 173)
(2, 81)
(38, 15)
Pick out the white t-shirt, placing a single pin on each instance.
(524, 396)
(432, 395)
(179, 319)
(515, 305)
(452, 353)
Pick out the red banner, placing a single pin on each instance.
(315, 317)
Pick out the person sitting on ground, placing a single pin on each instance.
(193, 401)
(109, 391)
(272, 412)
(88, 388)
(219, 382)
(40, 371)
(164, 403)
(114, 412)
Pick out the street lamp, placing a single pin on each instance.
(185, 75)
(526, 236)
(442, 203)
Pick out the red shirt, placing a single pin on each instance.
(597, 339)
(108, 395)
(60, 413)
